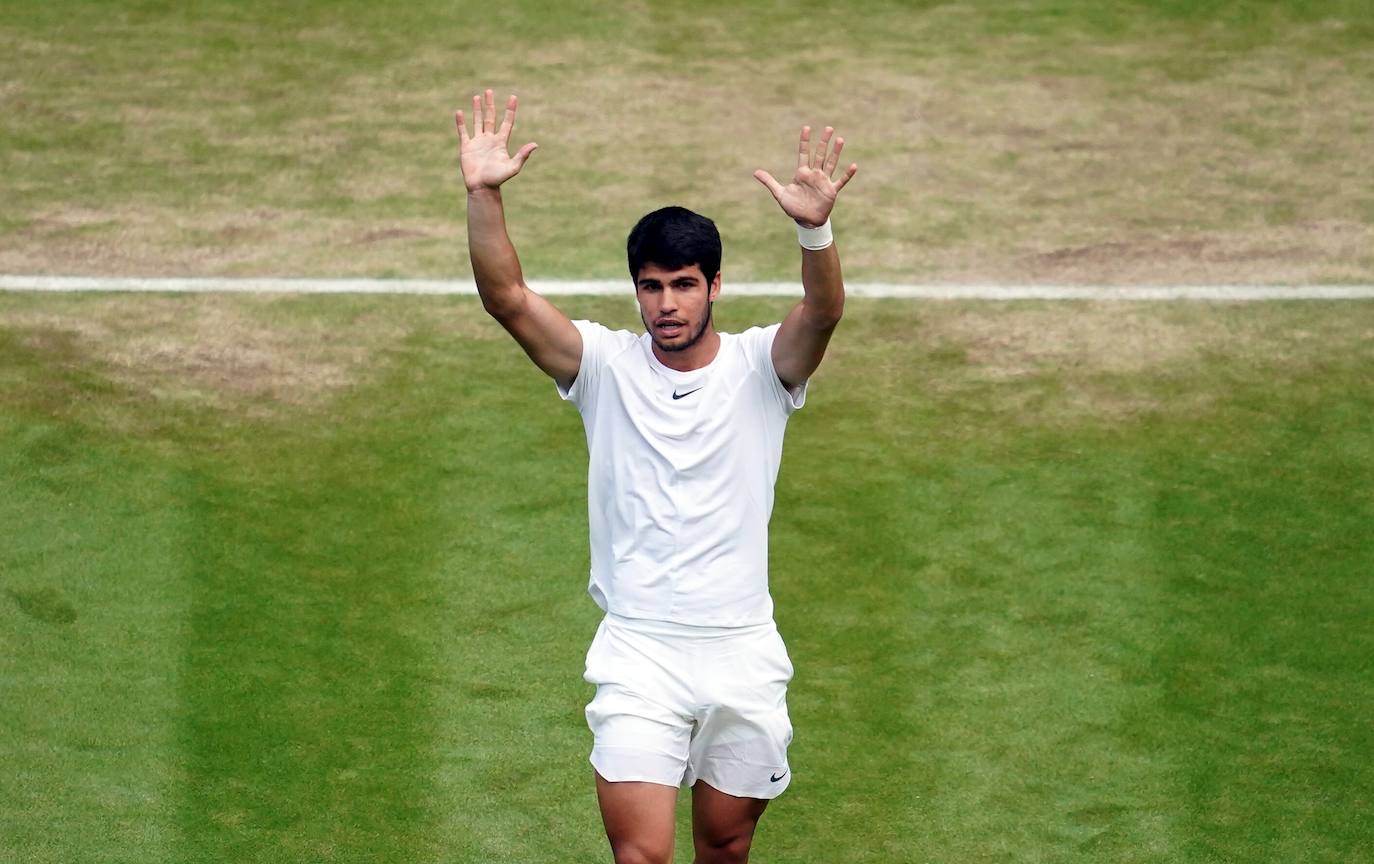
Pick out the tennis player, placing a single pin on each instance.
(684, 426)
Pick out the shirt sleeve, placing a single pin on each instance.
(599, 345)
(758, 347)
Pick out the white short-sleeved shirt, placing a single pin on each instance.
(680, 476)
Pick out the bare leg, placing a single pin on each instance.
(723, 825)
(639, 819)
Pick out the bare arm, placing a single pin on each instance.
(805, 332)
(546, 334)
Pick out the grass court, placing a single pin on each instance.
(289, 578)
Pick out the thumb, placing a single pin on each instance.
(767, 180)
(524, 153)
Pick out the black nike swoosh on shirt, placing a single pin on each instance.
(773, 779)
(677, 395)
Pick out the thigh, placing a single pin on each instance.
(723, 822)
(639, 819)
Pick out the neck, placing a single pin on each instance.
(695, 357)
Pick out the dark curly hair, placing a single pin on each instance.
(675, 237)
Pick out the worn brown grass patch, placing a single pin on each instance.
(154, 241)
(246, 353)
(222, 351)
(1065, 362)
(1114, 339)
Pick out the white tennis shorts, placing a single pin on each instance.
(676, 704)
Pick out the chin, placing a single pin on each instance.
(682, 341)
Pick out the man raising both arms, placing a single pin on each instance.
(684, 426)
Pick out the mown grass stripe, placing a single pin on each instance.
(92, 605)
(313, 654)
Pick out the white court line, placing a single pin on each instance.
(755, 289)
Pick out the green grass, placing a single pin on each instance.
(1036, 141)
(301, 579)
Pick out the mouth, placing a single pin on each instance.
(669, 328)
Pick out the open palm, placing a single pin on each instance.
(810, 196)
(484, 155)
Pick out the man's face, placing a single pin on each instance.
(675, 304)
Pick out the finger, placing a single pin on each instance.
(848, 175)
(767, 180)
(477, 115)
(462, 128)
(489, 115)
(508, 122)
(523, 154)
(818, 158)
(833, 158)
(804, 151)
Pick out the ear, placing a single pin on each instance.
(714, 291)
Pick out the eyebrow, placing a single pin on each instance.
(679, 281)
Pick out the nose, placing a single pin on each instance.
(668, 301)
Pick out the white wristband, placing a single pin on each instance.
(815, 238)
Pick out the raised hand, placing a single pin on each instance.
(810, 196)
(484, 155)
